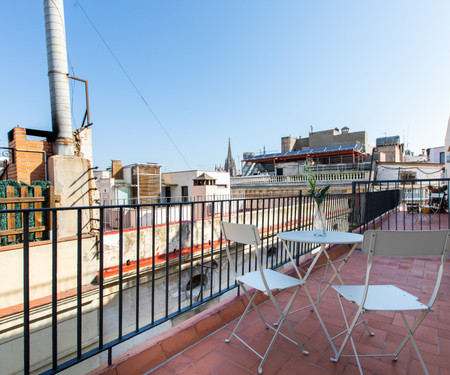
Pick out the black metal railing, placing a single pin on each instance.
(423, 203)
(111, 286)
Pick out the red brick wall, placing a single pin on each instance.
(28, 165)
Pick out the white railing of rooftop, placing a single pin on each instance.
(301, 179)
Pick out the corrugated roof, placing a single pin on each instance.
(356, 147)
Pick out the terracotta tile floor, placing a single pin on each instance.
(213, 356)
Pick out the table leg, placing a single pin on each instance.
(337, 271)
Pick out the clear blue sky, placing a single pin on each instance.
(250, 70)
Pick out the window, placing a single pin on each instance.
(167, 193)
(184, 193)
(408, 175)
(442, 157)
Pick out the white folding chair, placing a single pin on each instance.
(262, 280)
(369, 297)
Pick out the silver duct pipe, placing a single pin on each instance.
(58, 77)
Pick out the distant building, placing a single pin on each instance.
(328, 149)
(389, 149)
(408, 171)
(230, 165)
(326, 138)
(436, 154)
(134, 183)
(191, 185)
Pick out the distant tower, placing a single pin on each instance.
(230, 165)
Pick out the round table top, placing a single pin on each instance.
(330, 238)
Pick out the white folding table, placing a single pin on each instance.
(331, 238)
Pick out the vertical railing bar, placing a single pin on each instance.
(270, 231)
(274, 236)
(236, 253)
(251, 222)
(167, 261)
(213, 213)
(244, 214)
(295, 222)
(153, 261)
(282, 224)
(180, 245)
(288, 222)
(54, 289)
(243, 247)
(412, 209)
(278, 229)
(138, 258)
(202, 257)
(192, 253)
(419, 205)
(228, 263)
(100, 278)
(405, 209)
(262, 236)
(440, 205)
(120, 320)
(390, 201)
(26, 293)
(448, 203)
(79, 283)
(220, 248)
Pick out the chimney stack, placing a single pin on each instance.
(58, 77)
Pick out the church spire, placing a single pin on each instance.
(230, 165)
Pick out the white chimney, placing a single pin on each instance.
(58, 77)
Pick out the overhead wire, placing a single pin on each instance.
(133, 84)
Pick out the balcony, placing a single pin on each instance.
(197, 346)
(149, 293)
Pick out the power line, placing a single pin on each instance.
(133, 84)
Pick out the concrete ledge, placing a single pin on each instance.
(157, 350)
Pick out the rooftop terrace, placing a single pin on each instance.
(83, 301)
(197, 346)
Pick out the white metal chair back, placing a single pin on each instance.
(370, 297)
(262, 280)
(245, 234)
(407, 244)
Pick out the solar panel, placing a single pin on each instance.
(310, 151)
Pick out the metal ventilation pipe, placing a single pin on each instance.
(58, 77)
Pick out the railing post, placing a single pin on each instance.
(299, 214)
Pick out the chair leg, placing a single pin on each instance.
(283, 316)
(242, 317)
(364, 321)
(410, 336)
(252, 303)
(283, 319)
(320, 320)
(349, 335)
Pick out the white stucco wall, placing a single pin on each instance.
(435, 154)
(104, 183)
(391, 171)
(185, 178)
